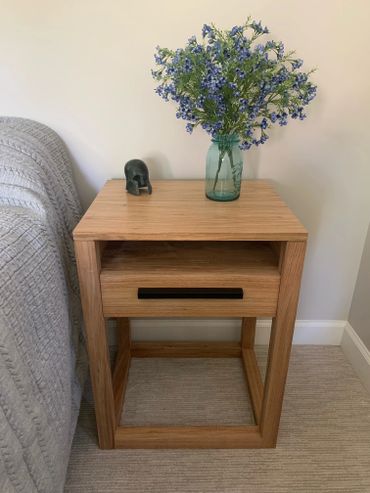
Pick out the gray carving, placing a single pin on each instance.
(137, 176)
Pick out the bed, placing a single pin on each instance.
(42, 352)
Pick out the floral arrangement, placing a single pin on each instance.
(231, 83)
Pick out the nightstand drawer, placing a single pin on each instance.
(177, 271)
(259, 299)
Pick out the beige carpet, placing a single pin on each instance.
(323, 446)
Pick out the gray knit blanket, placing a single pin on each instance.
(42, 357)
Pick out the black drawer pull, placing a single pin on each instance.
(189, 293)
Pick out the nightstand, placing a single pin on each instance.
(177, 254)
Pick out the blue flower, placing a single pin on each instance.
(206, 126)
(189, 127)
(273, 117)
(243, 104)
(158, 57)
(200, 101)
(236, 30)
(301, 78)
(206, 30)
(283, 119)
(258, 28)
(217, 48)
(282, 75)
(245, 145)
(248, 131)
(156, 74)
(280, 51)
(264, 123)
(298, 113)
(253, 111)
(187, 65)
(240, 73)
(244, 54)
(297, 64)
(310, 93)
(197, 48)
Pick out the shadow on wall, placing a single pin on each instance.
(359, 316)
(86, 190)
(251, 165)
(159, 166)
(304, 193)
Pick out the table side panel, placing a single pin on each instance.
(281, 340)
(88, 264)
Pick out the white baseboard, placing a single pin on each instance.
(322, 332)
(357, 354)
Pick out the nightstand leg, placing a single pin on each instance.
(281, 340)
(252, 373)
(248, 332)
(88, 263)
(121, 366)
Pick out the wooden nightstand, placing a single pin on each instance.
(177, 254)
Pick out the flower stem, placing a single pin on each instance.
(220, 158)
(230, 154)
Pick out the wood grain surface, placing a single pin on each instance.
(127, 266)
(179, 210)
(254, 381)
(88, 256)
(281, 340)
(178, 238)
(248, 332)
(122, 365)
(188, 437)
(185, 349)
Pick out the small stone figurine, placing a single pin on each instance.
(137, 176)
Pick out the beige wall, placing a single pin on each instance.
(359, 316)
(83, 67)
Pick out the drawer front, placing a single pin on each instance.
(260, 295)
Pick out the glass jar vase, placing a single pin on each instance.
(224, 168)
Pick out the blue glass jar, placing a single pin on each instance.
(224, 168)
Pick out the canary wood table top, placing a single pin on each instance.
(179, 210)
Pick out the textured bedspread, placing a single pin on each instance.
(42, 359)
